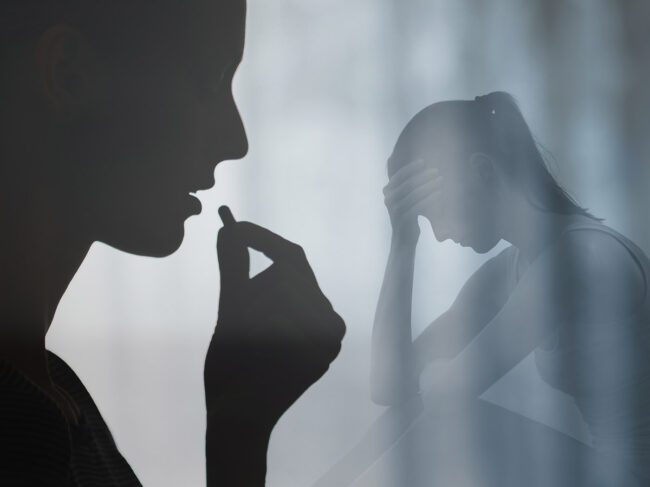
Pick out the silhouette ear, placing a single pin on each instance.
(67, 68)
(482, 165)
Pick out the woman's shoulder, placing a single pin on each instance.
(17, 389)
(61, 371)
(35, 441)
(21, 399)
(594, 245)
(595, 235)
(602, 263)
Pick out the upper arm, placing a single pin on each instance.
(586, 278)
(478, 301)
(600, 279)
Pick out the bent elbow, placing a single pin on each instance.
(384, 398)
(385, 392)
(379, 391)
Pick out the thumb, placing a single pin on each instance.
(234, 260)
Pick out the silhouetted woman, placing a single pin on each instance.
(111, 113)
(568, 288)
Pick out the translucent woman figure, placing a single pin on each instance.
(568, 289)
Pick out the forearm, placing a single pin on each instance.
(392, 371)
(442, 340)
(236, 447)
(431, 346)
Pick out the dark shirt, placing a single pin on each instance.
(39, 446)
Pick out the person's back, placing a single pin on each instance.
(604, 367)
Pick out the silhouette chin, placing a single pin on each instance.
(154, 244)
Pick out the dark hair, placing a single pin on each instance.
(492, 124)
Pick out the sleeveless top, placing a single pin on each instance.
(39, 446)
(605, 368)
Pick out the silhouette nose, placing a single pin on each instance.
(240, 140)
(234, 140)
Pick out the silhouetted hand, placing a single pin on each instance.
(410, 190)
(276, 333)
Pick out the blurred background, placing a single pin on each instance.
(324, 90)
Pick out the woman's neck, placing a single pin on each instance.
(532, 229)
(38, 259)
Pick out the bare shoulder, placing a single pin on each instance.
(600, 267)
(600, 253)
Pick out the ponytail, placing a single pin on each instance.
(512, 141)
(492, 124)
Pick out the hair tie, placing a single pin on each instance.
(481, 99)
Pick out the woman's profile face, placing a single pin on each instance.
(166, 119)
(465, 210)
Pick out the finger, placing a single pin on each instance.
(280, 292)
(280, 250)
(317, 317)
(430, 181)
(420, 207)
(415, 190)
(301, 331)
(280, 273)
(412, 180)
(320, 324)
(405, 172)
(416, 175)
(234, 262)
(407, 201)
(270, 244)
(226, 215)
(280, 315)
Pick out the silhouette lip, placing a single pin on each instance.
(202, 187)
(194, 204)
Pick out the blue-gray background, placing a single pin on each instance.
(324, 89)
